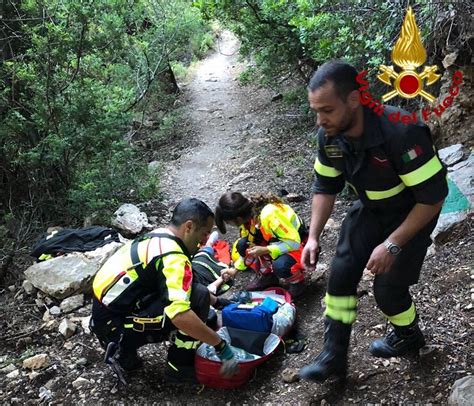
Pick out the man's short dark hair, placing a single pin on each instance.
(191, 209)
(340, 73)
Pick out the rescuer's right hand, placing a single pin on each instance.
(310, 254)
(230, 366)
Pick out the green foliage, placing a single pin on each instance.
(298, 36)
(74, 75)
(248, 76)
(279, 171)
(168, 123)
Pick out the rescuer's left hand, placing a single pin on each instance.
(380, 261)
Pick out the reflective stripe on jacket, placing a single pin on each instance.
(165, 272)
(392, 166)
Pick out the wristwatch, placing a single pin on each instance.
(392, 248)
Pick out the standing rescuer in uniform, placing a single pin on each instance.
(401, 185)
(144, 293)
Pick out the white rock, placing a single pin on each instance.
(331, 223)
(67, 328)
(249, 162)
(453, 154)
(62, 276)
(446, 224)
(462, 174)
(462, 393)
(47, 316)
(80, 383)
(72, 303)
(85, 324)
(14, 374)
(36, 362)
(9, 368)
(55, 311)
(44, 394)
(130, 219)
(28, 287)
(240, 178)
(33, 375)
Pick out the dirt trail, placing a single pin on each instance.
(218, 115)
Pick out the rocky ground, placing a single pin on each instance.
(237, 138)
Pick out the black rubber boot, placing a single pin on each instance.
(332, 361)
(129, 360)
(398, 342)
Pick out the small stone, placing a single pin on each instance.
(55, 311)
(51, 325)
(277, 97)
(82, 362)
(36, 362)
(33, 375)
(331, 223)
(68, 345)
(290, 375)
(72, 303)
(39, 303)
(67, 328)
(11, 288)
(9, 368)
(85, 324)
(80, 383)
(44, 394)
(28, 287)
(431, 251)
(47, 316)
(14, 374)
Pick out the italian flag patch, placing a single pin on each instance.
(413, 153)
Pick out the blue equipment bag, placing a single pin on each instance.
(258, 318)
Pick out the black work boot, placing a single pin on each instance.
(332, 361)
(180, 374)
(261, 282)
(399, 341)
(180, 364)
(129, 359)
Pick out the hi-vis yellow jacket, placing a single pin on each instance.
(279, 226)
(154, 266)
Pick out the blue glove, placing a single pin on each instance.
(230, 366)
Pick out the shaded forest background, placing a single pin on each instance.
(79, 79)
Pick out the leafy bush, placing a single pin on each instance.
(74, 75)
(298, 36)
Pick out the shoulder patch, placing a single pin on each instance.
(333, 151)
(412, 153)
